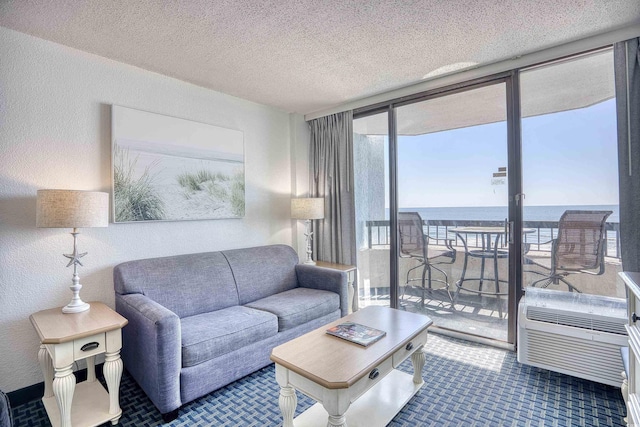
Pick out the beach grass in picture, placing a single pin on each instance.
(137, 199)
(168, 169)
(204, 187)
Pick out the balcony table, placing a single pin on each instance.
(489, 249)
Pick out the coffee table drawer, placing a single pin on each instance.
(372, 378)
(400, 355)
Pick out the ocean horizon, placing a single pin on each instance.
(499, 213)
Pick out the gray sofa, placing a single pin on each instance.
(198, 322)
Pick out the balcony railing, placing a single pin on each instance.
(378, 233)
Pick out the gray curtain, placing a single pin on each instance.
(627, 75)
(331, 175)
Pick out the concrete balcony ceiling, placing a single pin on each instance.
(547, 89)
(307, 56)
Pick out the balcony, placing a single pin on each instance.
(472, 312)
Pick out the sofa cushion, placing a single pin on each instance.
(185, 284)
(298, 306)
(209, 335)
(263, 271)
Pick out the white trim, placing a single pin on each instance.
(520, 61)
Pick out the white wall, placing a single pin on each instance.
(55, 133)
(300, 138)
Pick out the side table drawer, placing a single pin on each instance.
(400, 355)
(88, 346)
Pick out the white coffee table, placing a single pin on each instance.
(342, 376)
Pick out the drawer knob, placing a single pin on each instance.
(634, 317)
(409, 346)
(374, 374)
(90, 346)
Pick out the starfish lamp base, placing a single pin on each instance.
(76, 305)
(309, 235)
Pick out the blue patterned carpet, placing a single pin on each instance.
(466, 384)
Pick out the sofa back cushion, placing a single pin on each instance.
(185, 284)
(263, 271)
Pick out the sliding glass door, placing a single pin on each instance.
(440, 180)
(452, 179)
(463, 193)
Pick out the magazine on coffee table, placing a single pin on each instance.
(356, 333)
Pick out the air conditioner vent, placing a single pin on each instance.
(573, 334)
(586, 321)
(586, 359)
(608, 326)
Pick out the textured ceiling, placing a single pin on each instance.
(306, 55)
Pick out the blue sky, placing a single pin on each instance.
(569, 158)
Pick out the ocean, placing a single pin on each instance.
(499, 213)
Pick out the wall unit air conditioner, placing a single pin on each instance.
(574, 334)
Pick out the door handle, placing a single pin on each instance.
(511, 226)
(506, 230)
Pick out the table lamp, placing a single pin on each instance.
(308, 209)
(73, 209)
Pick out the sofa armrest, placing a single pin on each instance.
(326, 279)
(152, 348)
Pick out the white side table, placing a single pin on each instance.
(66, 338)
(351, 278)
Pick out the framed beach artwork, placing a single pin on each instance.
(170, 169)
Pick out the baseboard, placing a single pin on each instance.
(35, 391)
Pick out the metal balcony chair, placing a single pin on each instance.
(415, 244)
(579, 248)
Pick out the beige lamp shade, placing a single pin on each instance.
(72, 209)
(307, 208)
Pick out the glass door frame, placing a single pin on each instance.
(514, 153)
(514, 166)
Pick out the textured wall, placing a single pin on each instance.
(300, 138)
(55, 133)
